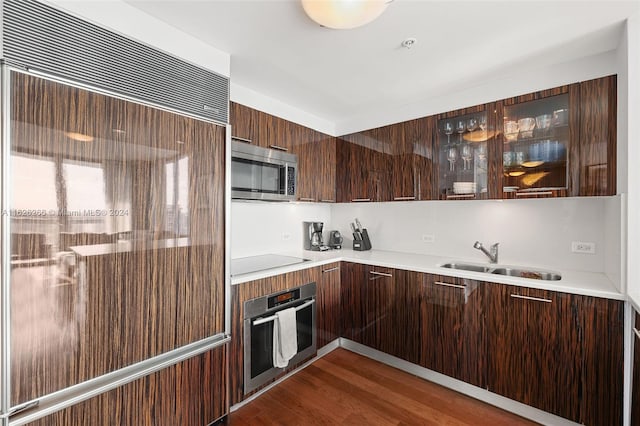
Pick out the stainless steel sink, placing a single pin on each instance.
(533, 274)
(467, 267)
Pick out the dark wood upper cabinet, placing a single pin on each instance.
(534, 348)
(597, 137)
(316, 151)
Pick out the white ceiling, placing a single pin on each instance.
(338, 75)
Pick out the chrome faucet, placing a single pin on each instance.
(492, 255)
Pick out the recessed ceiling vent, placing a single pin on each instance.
(44, 39)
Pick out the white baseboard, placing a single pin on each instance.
(475, 392)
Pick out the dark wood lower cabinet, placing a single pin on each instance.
(534, 349)
(450, 330)
(328, 312)
(192, 392)
(603, 360)
(352, 300)
(635, 396)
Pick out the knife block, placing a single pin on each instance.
(363, 245)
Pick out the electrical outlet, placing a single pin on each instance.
(286, 236)
(428, 238)
(583, 247)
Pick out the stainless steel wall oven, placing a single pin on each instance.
(259, 316)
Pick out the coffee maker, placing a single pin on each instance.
(312, 236)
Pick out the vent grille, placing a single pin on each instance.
(45, 39)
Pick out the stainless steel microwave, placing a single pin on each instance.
(262, 174)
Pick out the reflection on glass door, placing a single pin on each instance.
(110, 261)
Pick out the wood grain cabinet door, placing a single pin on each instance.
(381, 316)
(352, 300)
(602, 357)
(635, 397)
(534, 348)
(450, 322)
(328, 310)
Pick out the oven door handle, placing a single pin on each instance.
(273, 317)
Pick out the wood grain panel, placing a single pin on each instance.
(449, 322)
(315, 150)
(597, 158)
(635, 393)
(192, 392)
(154, 273)
(419, 133)
(602, 338)
(241, 119)
(250, 290)
(328, 314)
(352, 173)
(534, 349)
(352, 287)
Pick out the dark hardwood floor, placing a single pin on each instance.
(348, 389)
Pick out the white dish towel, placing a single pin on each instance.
(285, 337)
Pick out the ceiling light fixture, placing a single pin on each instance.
(344, 14)
(80, 137)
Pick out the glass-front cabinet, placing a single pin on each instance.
(536, 137)
(463, 155)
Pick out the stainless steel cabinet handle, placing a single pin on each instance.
(328, 201)
(307, 199)
(532, 193)
(384, 274)
(355, 200)
(536, 299)
(635, 330)
(236, 138)
(281, 148)
(461, 196)
(403, 198)
(330, 269)
(273, 317)
(449, 285)
(23, 407)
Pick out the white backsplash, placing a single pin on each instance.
(259, 227)
(530, 232)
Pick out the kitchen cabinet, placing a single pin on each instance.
(447, 322)
(191, 392)
(534, 348)
(390, 163)
(602, 338)
(316, 151)
(558, 352)
(373, 313)
(597, 140)
(352, 300)
(328, 322)
(126, 259)
(363, 170)
(635, 392)
(465, 140)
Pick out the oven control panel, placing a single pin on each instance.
(282, 298)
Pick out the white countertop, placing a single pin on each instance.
(576, 282)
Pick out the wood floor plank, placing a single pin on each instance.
(344, 388)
